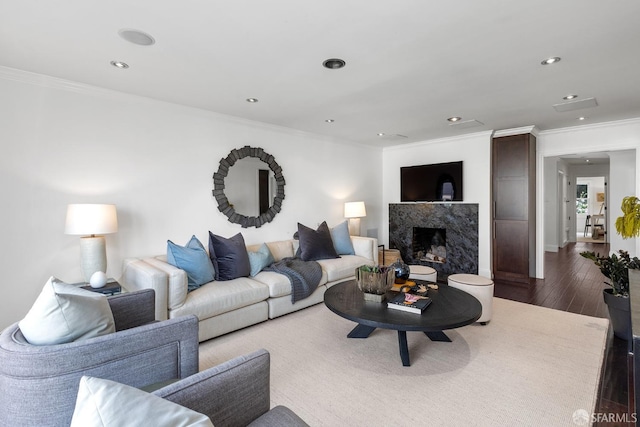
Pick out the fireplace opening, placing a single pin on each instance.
(429, 244)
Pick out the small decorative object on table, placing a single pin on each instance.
(402, 271)
(375, 281)
(111, 288)
(98, 279)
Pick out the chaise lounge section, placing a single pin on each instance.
(226, 306)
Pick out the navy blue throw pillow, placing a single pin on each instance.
(229, 256)
(315, 244)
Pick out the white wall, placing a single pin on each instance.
(622, 183)
(475, 152)
(64, 143)
(621, 140)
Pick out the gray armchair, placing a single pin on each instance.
(39, 384)
(234, 393)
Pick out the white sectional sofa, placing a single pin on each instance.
(225, 306)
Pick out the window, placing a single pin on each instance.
(582, 200)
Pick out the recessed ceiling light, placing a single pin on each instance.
(252, 100)
(380, 134)
(454, 119)
(329, 120)
(136, 37)
(570, 97)
(582, 118)
(120, 64)
(334, 63)
(587, 160)
(551, 60)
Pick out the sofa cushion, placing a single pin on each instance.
(364, 247)
(229, 256)
(342, 239)
(64, 313)
(194, 260)
(105, 403)
(344, 267)
(260, 259)
(279, 284)
(220, 297)
(315, 244)
(279, 249)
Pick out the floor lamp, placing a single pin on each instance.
(354, 211)
(91, 221)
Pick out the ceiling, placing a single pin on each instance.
(410, 64)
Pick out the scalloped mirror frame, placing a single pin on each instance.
(221, 198)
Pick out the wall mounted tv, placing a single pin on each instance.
(439, 182)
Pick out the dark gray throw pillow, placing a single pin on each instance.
(315, 244)
(229, 256)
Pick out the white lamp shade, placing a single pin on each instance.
(91, 219)
(354, 210)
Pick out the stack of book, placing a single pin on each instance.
(412, 299)
(111, 288)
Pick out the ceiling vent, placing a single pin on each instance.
(466, 124)
(576, 105)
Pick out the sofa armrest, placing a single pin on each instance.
(280, 416)
(177, 281)
(138, 275)
(234, 393)
(132, 309)
(365, 247)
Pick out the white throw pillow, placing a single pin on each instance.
(104, 403)
(64, 313)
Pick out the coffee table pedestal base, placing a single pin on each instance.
(363, 331)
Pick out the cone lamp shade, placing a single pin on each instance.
(354, 211)
(91, 221)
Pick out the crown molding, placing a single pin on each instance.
(592, 126)
(476, 135)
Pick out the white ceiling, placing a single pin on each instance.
(411, 64)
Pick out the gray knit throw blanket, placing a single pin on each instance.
(304, 276)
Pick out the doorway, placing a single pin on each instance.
(591, 220)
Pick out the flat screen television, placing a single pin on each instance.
(440, 182)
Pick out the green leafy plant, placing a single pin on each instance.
(628, 225)
(374, 268)
(615, 268)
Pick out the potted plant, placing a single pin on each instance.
(628, 226)
(616, 269)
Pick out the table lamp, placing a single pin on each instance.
(354, 211)
(91, 221)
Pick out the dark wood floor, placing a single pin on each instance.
(573, 283)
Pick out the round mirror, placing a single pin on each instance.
(249, 187)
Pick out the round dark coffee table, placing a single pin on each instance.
(451, 308)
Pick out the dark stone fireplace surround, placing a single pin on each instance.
(460, 220)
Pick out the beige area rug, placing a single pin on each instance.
(529, 366)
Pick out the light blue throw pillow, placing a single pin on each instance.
(194, 260)
(342, 240)
(260, 259)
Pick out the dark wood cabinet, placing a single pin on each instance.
(513, 193)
